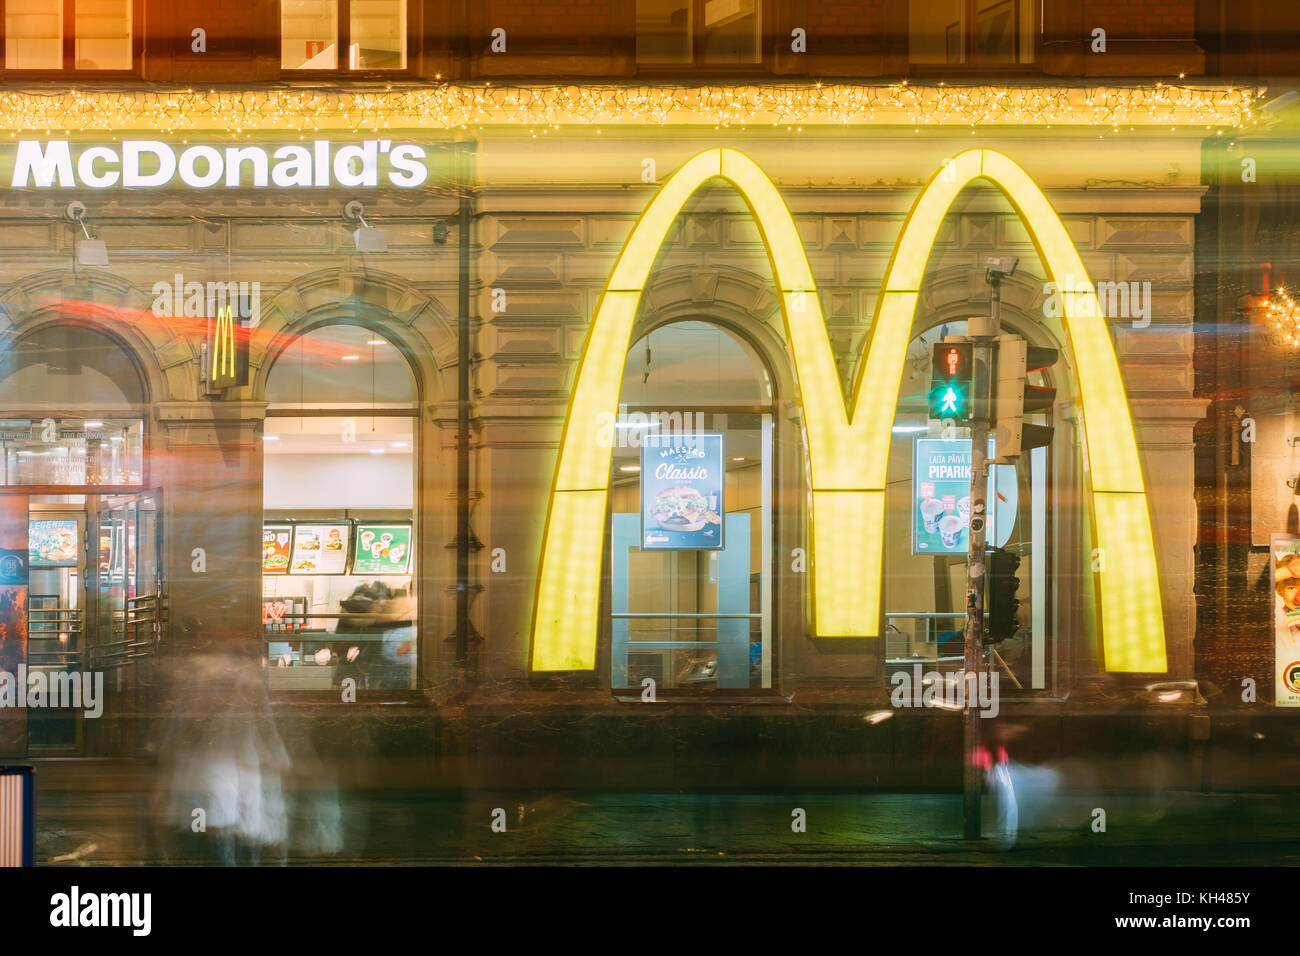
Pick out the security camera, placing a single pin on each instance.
(1001, 266)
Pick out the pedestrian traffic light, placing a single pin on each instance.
(1001, 585)
(1014, 397)
(951, 365)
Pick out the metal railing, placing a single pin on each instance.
(900, 645)
(136, 632)
(55, 636)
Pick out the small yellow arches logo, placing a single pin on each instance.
(223, 348)
(848, 443)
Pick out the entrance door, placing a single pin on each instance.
(90, 595)
(127, 614)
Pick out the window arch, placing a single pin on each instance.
(692, 591)
(341, 526)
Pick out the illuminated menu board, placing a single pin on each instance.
(382, 549)
(276, 539)
(319, 549)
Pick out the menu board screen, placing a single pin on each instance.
(275, 548)
(382, 549)
(53, 543)
(319, 549)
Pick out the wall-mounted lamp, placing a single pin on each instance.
(90, 252)
(366, 237)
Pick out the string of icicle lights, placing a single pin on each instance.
(540, 107)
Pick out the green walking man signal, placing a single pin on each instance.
(951, 366)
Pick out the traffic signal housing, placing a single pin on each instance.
(1001, 588)
(952, 364)
(1014, 397)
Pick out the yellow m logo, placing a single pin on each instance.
(223, 347)
(848, 444)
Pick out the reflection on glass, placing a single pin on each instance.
(33, 35)
(309, 34)
(71, 452)
(103, 34)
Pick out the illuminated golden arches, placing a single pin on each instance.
(567, 603)
(847, 456)
(1131, 617)
(223, 345)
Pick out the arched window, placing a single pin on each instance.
(926, 526)
(691, 496)
(340, 535)
(71, 410)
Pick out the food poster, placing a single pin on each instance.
(319, 549)
(682, 483)
(53, 543)
(941, 474)
(275, 548)
(382, 549)
(1284, 551)
(941, 496)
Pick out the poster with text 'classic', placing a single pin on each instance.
(682, 483)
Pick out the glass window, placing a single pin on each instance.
(926, 526)
(339, 542)
(70, 410)
(309, 34)
(691, 520)
(975, 32)
(33, 35)
(375, 34)
(378, 35)
(103, 39)
(663, 31)
(698, 31)
(34, 32)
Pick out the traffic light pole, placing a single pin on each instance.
(981, 385)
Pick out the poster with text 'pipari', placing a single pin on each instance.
(319, 549)
(382, 549)
(941, 496)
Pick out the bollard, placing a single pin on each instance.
(17, 816)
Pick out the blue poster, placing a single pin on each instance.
(682, 481)
(941, 496)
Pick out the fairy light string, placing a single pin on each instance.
(541, 107)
